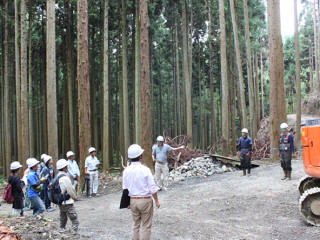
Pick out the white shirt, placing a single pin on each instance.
(138, 179)
(91, 163)
(73, 168)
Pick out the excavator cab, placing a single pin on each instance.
(310, 139)
(309, 187)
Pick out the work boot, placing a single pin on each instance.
(249, 171)
(285, 175)
(244, 172)
(289, 175)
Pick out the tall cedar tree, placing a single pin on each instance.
(83, 85)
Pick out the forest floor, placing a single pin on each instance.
(222, 206)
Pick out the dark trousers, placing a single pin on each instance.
(286, 157)
(68, 211)
(47, 202)
(245, 161)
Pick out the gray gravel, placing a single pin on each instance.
(222, 206)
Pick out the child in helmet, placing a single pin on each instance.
(286, 150)
(244, 151)
(17, 185)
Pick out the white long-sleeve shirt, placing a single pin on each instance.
(138, 179)
(73, 168)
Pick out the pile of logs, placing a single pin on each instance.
(178, 158)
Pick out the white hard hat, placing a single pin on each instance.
(160, 139)
(31, 162)
(92, 149)
(134, 151)
(47, 158)
(244, 130)
(62, 163)
(284, 126)
(69, 154)
(43, 156)
(15, 165)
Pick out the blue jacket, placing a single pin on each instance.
(245, 145)
(32, 179)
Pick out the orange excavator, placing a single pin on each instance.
(309, 187)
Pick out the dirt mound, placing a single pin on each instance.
(311, 105)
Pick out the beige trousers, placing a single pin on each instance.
(142, 213)
(164, 170)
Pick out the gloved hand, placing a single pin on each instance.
(248, 155)
(293, 155)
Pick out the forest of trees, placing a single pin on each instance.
(109, 73)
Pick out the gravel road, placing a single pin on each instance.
(222, 206)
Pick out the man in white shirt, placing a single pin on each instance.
(91, 169)
(139, 181)
(74, 170)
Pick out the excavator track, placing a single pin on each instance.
(308, 182)
(309, 206)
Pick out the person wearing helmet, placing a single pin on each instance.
(244, 151)
(39, 170)
(42, 164)
(74, 170)
(286, 150)
(34, 186)
(91, 169)
(138, 180)
(17, 185)
(159, 156)
(67, 209)
(48, 173)
(27, 202)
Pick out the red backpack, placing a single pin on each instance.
(7, 194)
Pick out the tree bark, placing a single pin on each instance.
(315, 24)
(239, 64)
(126, 130)
(179, 130)
(106, 116)
(31, 123)
(146, 119)
(70, 73)
(224, 78)
(18, 85)
(277, 94)
(52, 125)
(7, 127)
(311, 69)
(137, 88)
(253, 113)
(24, 86)
(298, 81)
(83, 85)
(256, 92)
(262, 85)
(186, 73)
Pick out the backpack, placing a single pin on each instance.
(54, 191)
(7, 194)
